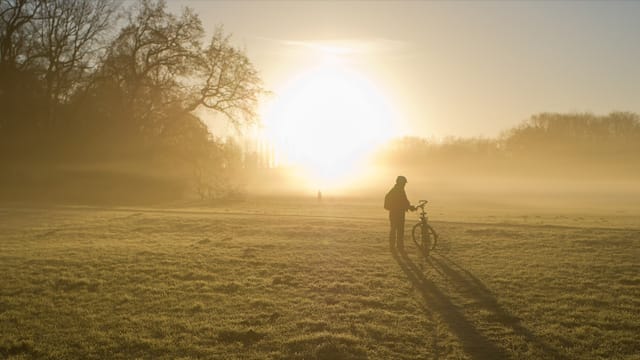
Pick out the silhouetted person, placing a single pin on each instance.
(397, 203)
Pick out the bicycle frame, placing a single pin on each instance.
(423, 212)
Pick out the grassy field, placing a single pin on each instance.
(301, 280)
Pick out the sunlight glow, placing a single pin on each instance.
(327, 122)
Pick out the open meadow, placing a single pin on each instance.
(309, 280)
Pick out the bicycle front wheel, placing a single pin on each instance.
(421, 237)
(424, 237)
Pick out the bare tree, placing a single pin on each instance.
(19, 85)
(150, 57)
(16, 26)
(160, 64)
(229, 83)
(70, 88)
(68, 43)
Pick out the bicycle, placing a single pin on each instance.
(422, 233)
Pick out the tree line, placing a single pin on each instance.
(545, 145)
(86, 81)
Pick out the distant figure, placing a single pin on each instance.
(319, 195)
(397, 203)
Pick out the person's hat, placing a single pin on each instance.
(401, 180)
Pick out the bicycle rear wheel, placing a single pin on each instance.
(434, 237)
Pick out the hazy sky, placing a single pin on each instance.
(452, 68)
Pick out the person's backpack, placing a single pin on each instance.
(387, 201)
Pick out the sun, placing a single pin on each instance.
(327, 122)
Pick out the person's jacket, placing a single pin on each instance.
(396, 201)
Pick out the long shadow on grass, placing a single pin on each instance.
(473, 342)
(471, 285)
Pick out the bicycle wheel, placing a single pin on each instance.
(433, 236)
(422, 237)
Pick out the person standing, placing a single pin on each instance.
(397, 204)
